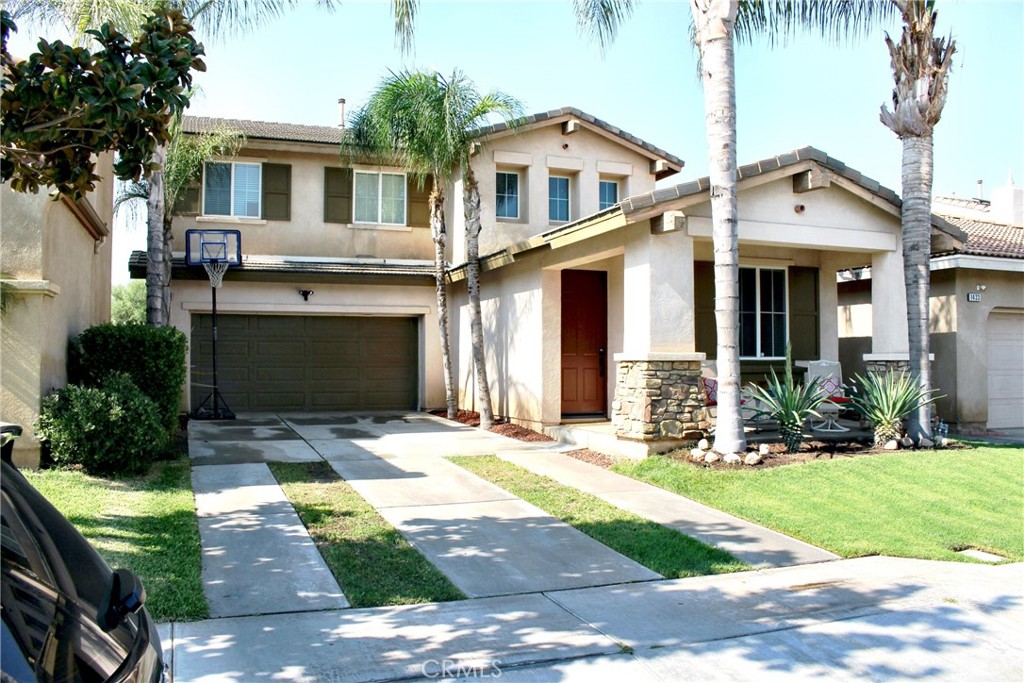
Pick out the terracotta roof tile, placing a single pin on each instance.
(265, 130)
(985, 238)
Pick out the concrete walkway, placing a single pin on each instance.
(258, 557)
(872, 618)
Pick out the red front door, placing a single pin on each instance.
(584, 342)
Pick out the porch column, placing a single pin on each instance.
(889, 344)
(658, 397)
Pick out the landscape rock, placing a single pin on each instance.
(732, 458)
(753, 458)
(891, 445)
(764, 449)
(712, 457)
(696, 454)
(907, 442)
(704, 445)
(926, 443)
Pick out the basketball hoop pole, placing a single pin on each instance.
(220, 411)
(217, 400)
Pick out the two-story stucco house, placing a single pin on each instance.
(597, 287)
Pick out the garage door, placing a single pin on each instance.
(1006, 370)
(271, 362)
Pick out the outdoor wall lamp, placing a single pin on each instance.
(982, 288)
(304, 293)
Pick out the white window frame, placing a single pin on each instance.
(231, 215)
(519, 185)
(757, 316)
(568, 197)
(380, 196)
(610, 181)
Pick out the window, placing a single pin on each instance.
(506, 201)
(608, 194)
(232, 189)
(558, 198)
(380, 198)
(762, 313)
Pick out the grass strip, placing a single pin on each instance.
(922, 504)
(373, 563)
(664, 550)
(146, 524)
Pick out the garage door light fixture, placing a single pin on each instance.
(305, 294)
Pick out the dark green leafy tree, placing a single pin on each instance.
(65, 104)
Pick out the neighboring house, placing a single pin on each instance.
(334, 306)
(597, 288)
(977, 313)
(56, 260)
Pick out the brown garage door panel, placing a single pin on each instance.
(308, 362)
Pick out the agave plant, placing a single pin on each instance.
(885, 399)
(788, 403)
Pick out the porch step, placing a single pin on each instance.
(600, 437)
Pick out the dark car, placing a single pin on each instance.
(66, 615)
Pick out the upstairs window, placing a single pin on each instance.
(232, 189)
(608, 194)
(506, 201)
(380, 198)
(763, 317)
(558, 199)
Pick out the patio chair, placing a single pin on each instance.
(829, 374)
(748, 405)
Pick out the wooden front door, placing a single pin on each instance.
(584, 342)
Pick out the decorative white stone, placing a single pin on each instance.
(763, 449)
(732, 458)
(712, 457)
(943, 442)
(926, 443)
(696, 454)
(704, 445)
(891, 445)
(753, 458)
(907, 442)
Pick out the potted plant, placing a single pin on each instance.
(883, 400)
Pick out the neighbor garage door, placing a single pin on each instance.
(1006, 370)
(271, 362)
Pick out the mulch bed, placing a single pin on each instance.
(810, 451)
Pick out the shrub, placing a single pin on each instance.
(128, 303)
(112, 428)
(885, 399)
(154, 358)
(789, 404)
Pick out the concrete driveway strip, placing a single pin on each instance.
(487, 541)
(749, 542)
(258, 557)
(382, 643)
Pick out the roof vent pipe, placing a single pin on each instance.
(341, 113)
(981, 194)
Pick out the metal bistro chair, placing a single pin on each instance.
(748, 405)
(829, 374)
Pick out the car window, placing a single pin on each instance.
(18, 544)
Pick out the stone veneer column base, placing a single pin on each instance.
(879, 363)
(658, 397)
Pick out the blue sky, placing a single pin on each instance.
(808, 92)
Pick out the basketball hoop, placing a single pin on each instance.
(215, 251)
(216, 270)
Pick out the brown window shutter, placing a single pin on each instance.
(277, 192)
(804, 313)
(419, 202)
(704, 308)
(337, 195)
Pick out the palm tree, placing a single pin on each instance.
(920, 68)
(715, 25)
(215, 18)
(427, 124)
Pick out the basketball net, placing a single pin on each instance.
(216, 270)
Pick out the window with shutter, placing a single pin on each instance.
(277, 190)
(232, 189)
(337, 195)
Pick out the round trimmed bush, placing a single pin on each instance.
(109, 429)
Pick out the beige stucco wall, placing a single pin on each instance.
(306, 234)
(282, 298)
(584, 156)
(63, 275)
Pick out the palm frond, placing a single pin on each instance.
(131, 197)
(835, 20)
(599, 20)
(404, 12)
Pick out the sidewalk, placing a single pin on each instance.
(874, 618)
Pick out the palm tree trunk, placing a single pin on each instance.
(715, 20)
(438, 231)
(471, 198)
(917, 220)
(156, 265)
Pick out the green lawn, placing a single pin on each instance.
(909, 504)
(146, 524)
(373, 563)
(664, 550)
